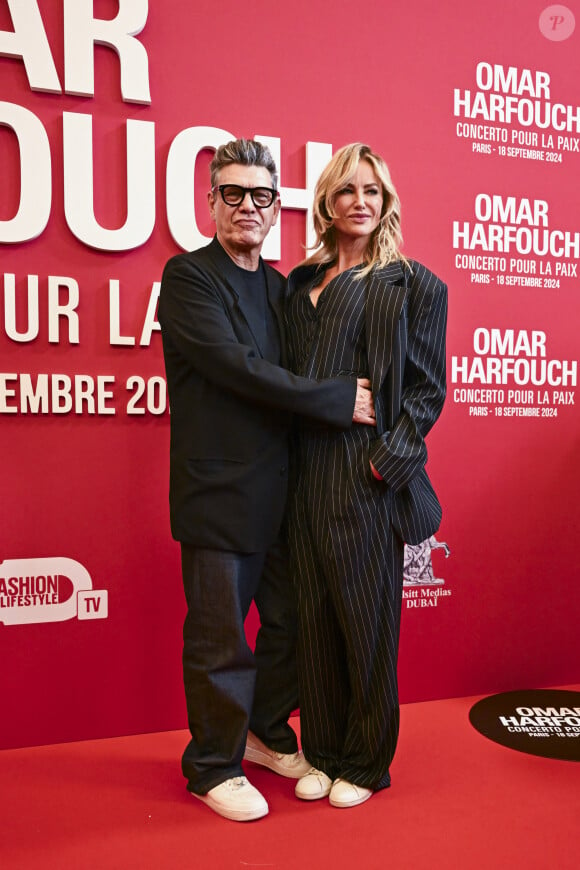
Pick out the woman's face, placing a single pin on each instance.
(358, 205)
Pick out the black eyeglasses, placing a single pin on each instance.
(234, 194)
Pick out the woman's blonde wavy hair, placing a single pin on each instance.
(385, 242)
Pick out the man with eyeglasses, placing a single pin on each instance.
(221, 316)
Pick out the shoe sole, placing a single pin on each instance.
(312, 797)
(232, 815)
(258, 757)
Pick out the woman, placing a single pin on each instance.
(358, 307)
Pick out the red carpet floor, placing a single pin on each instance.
(457, 801)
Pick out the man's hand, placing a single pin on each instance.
(364, 407)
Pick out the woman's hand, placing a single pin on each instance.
(364, 406)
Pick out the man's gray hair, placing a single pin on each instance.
(246, 152)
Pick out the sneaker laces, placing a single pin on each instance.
(237, 782)
(315, 772)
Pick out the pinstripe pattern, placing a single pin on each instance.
(347, 561)
(409, 309)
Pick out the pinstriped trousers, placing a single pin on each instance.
(348, 570)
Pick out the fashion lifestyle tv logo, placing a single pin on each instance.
(51, 589)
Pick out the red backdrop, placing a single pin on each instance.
(90, 591)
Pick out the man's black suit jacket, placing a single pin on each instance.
(230, 408)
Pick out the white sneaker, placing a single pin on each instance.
(293, 766)
(235, 799)
(315, 785)
(346, 794)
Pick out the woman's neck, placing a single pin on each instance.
(349, 255)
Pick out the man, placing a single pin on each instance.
(221, 319)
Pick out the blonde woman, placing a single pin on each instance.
(357, 306)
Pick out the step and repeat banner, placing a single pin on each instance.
(109, 114)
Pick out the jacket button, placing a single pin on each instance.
(282, 470)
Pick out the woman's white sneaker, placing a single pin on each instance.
(313, 786)
(346, 794)
(235, 799)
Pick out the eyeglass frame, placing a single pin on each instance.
(245, 191)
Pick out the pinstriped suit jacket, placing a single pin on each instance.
(406, 318)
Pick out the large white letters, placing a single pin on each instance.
(82, 31)
(10, 326)
(35, 175)
(57, 310)
(29, 42)
(317, 156)
(78, 184)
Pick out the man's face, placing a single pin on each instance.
(241, 229)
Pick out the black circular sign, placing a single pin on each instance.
(543, 722)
